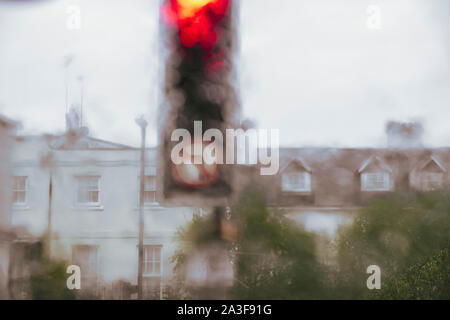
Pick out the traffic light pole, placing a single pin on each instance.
(216, 285)
(49, 214)
(202, 42)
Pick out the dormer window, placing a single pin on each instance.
(375, 175)
(296, 176)
(429, 175)
(432, 180)
(297, 181)
(375, 181)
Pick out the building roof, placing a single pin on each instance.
(374, 160)
(8, 123)
(432, 159)
(74, 141)
(335, 172)
(298, 161)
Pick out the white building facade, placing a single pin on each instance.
(86, 191)
(6, 235)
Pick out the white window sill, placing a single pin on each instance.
(296, 191)
(20, 207)
(150, 206)
(151, 275)
(88, 207)
(376, 190)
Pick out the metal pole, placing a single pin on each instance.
(49, 217)
(214, 288)
(48, 163)
(142, 124)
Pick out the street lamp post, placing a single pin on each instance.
(48, 162)
(142, 123)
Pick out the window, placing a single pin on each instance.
(297, 181)
(86, 257)
(432, 180)
(377, 181)
(149, 190)
(19, 266)
(152, 272)
(152, 260)
(20, 190)
(88, 190)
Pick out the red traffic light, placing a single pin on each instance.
(197, 20)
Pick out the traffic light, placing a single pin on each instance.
(199, 103)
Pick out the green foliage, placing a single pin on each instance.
(47, 279)
(424, 281)
(397, 233)
(273, 257)
(199, 231)
(406, 236)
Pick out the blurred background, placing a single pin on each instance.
(358, 90)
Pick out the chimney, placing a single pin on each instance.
(404, 134)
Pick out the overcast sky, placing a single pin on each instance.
(311, 68)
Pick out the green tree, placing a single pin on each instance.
(199, 231)
(403, 235)
(273, 257)
(47, 278)
(427, 280)
(406, 236)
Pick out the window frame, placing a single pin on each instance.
(286, 185)
(155, 203)
(426, 184)
(365, 181)
(25, 191)
(95, 273)
(88, 204)
(153, 261)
